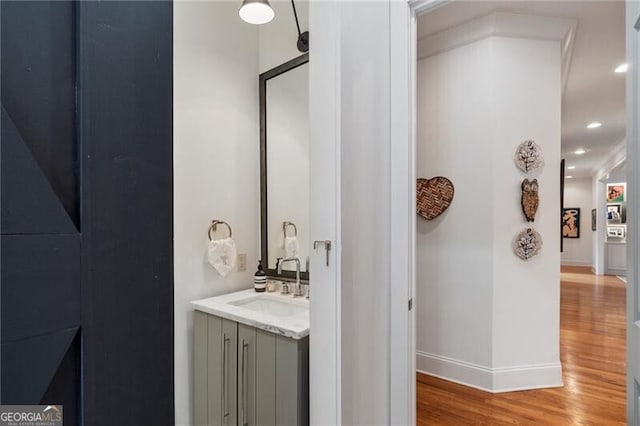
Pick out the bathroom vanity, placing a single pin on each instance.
(251, 359)
(251, 350)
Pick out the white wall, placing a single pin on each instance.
(454, 252)
(216, 161)
(365, 146)
(217, 60)
(483, 316)
(579, 251)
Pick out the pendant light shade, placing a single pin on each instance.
(256, 11)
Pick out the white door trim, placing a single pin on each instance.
(403, 64)
(633, 212)
(325, 304)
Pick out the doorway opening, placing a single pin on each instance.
(490, 76)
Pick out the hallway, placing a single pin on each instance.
(592, 351)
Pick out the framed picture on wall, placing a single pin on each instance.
(571, 222)
(616, 192)
(614, 213)
(594, 217)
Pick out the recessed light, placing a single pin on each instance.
(571, 167)
(594, 125)
(568, 177)
(622, 68)
(579, 151)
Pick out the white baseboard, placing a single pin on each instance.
(570, 262)
(493, 380)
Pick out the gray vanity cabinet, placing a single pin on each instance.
(215, 368)
(247, 376)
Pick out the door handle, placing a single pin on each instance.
(327, 247)
(243, 381)
(225, 404)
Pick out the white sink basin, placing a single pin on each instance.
(267, 305)
(272, 312)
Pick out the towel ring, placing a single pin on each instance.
(284, 228)
(214, 227)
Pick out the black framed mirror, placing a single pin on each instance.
(284, 168)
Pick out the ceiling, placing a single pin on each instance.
(593, 91)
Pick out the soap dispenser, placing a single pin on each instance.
(260, 279)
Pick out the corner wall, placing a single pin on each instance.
(484, 317)
(216, 162)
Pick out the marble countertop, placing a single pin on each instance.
(295, 326)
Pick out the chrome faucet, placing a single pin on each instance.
(285, 287)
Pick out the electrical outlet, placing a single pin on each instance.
(242, 262)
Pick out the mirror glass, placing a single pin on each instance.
(285, 171)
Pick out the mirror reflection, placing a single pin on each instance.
(285, 113)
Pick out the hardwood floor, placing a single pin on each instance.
(592, 351)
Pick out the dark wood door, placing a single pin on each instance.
(87, 255)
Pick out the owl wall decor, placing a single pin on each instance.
(529, 199)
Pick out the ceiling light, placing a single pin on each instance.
(571, 167)
(256, 11)
(568, 177)
(579, 151)
(594, 125)
(621, 68)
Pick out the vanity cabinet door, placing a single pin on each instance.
(292, 381)
(215, 363)
(200, 364)
(246, 375)
(266, 378)
(215, 368)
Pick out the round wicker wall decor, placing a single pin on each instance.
(528, 156)
(433, 196)
(527, 244)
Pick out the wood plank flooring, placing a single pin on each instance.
(592, 351)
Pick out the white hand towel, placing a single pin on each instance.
(222, 255)
(291, 248)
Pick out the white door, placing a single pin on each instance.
(633, 235)
(362, 200)
(324, 349)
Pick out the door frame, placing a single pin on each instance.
(403, 48)
(633, 210)
(325, 394)
(325, 308)
(403, 87)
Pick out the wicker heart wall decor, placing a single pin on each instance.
(433, 196)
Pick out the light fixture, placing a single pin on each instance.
(303, 38)
(594, 125)
(568, 177)
(579, 151)
(256, 11)
(571, 167)
(621, 68)
(260, 12)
